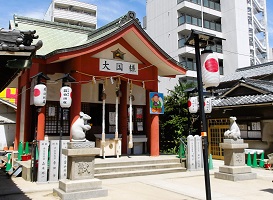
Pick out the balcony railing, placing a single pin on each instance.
(212, 26)
(187, 19)
(206, 3)
(216, 48)
(193, 1)
(191, 65)
(212, 5)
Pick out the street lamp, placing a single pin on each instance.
(199, 39)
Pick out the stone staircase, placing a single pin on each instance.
(137, 166)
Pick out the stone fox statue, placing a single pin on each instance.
(234, 131)
(79, 127)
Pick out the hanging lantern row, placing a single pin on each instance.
(210, 69)
(40, 93)
(193, 105)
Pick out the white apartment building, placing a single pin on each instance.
(242, 23)
(72, 12)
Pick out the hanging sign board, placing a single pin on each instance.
(54, 161)
(156, 103)
(118, 66)
(43, 159)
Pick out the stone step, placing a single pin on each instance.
(135, 162)
(139, 173)
(136, 167)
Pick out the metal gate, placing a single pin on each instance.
(216, 130)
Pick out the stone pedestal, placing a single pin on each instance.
(234, 168)
(81, 183)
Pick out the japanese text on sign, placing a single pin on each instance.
(118, 66)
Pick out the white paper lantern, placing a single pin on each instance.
(210, 69)
(65, 97)
(207, 105)
(39, 95)
(193, 104)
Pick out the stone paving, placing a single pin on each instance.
(183, 185)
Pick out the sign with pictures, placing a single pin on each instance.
(156, 103)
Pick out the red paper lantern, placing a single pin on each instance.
(65, 97)
(193, 104)
(39, 95)
(210, 69)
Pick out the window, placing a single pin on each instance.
(250, 130)
(53, 122)
(194, 21)
(206, 24)
(181, 20)
(181, 42)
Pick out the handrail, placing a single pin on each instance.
(258, 24)
(258, 5)
(259, 44)
(257, 60)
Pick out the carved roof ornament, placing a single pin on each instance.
(118, 54)
(16, 53)
(16, 40)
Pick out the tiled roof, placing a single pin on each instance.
(53, 34)
(250, 72)
(242, 100)
(260, 84)
(60, 38)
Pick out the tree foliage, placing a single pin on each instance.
(174, 121)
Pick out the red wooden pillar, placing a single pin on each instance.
(123, 124)
(27, 124)
(154, 119)
(41, 124)
(154, 141)
(75, 108)
(18, 116)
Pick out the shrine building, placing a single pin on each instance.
(110, 70)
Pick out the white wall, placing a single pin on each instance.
(7, 135)
(236, 45)
(7, 125)
(162, 24)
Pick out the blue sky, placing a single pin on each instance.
(108, 10)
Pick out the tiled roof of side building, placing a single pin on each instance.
(252, 71)
(242, 100)
(260, 84)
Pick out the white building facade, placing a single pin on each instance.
(242, 23)
(72, 12)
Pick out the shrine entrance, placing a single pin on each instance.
(216, 129)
